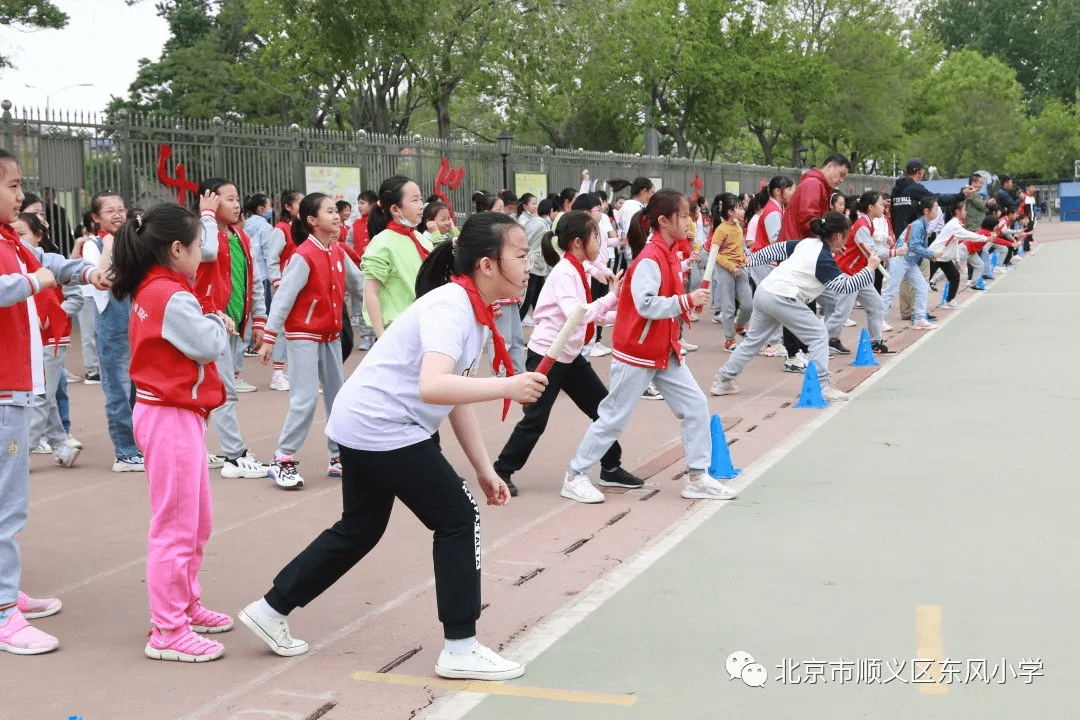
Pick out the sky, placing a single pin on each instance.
(101, 46)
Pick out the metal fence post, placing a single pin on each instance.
(7, 127)
(219, 147)
(299, 181)
(127, 166)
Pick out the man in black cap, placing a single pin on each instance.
(908, 190)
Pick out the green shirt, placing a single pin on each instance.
(393, 260)
(238, 296)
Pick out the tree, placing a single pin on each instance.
(1058, 50)
(30, 15)
(967, 113)
(1051, 143)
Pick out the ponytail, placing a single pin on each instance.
(390, 194)
(142, 243)
(547, 248)
(637, 234)
(832, 223)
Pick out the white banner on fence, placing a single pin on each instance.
(340, 183)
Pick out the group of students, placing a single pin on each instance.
(433, 296)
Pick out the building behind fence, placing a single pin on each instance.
(150, 159)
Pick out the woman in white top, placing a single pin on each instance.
(386, 419)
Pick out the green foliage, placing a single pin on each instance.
(30, 15)
(966, 113)
(1051, 143)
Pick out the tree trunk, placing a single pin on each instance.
(442, 112)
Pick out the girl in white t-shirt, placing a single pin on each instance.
(385, 421)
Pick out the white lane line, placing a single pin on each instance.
(69, 493)
(455, 705)
(213, 709)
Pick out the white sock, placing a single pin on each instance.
(264, 607)
(460, 647)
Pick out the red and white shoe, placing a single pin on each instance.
(208, 621)
(32, 608)
(182, 646)
(21, 638)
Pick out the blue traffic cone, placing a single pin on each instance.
(811, 390)
(864, 356)
(980, 283)
(945, 293)
(720, 467)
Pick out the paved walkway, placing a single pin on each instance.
(748, 579)
(932, 518)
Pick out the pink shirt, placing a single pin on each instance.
(562, 292)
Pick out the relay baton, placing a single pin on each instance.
(710, 264)
(573, 322)
(881, 267)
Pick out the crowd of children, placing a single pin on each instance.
(178, 298)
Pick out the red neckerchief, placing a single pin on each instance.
(49, 309)
(410, 233)
(674, 264)
(590, 330)
(486, 317)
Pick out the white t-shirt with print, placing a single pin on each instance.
(379, 407)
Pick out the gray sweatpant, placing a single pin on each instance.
(225, 418)
(836, 309)
(771, 312)
(88, 335)
(727, 290)
(509, 325)
(759, 273)
(14, 494)
(45, 415)
(310, 363)
(627, 383)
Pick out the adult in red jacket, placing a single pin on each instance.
(811, 198)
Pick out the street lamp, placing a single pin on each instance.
(802, 150)
(48, 96)
(505, 141)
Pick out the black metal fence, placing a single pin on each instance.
(150, 159)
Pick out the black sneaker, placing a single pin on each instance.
(881, 349)
(617, 477)
(92, 379)
(838, 346)
(509, 483)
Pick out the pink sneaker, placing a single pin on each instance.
(208, 621)
(32, 608)
(21, 638)
(182, 646)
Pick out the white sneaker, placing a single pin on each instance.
(850, 323)
(950, 306)
(580, 488)
(43, 448)
(279, 381)
(244, 466)
(723, 387)
(479, 663)
(274, 632)
(214, 462)
(707, 488)
(599, 350)
(831, 394)
(528, 321)
(244, 387)
(923, 324)
(129, 464)
(283, 470)
(886, 327)
(688, 346)
(72, 442)
(65, 455)
(72, 377)
(651, 393)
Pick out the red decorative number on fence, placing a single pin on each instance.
(180, 183)
(698, 186)
(449, 179)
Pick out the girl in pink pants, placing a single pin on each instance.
(174, 347)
